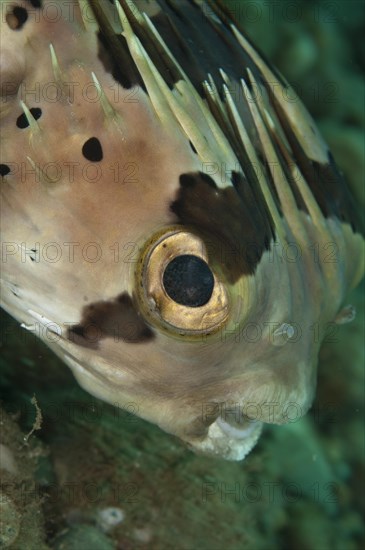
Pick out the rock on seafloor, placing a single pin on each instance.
(21, 515)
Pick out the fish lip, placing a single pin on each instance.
(248, 428)
(229, 442)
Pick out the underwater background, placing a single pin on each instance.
(91, 476)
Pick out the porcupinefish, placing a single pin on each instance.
(173, 225)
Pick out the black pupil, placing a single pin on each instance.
(188, 281)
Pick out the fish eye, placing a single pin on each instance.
(188, 280)
(178, 289)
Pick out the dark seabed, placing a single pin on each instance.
(94, 477)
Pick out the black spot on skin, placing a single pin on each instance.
(92, 150)
(22, 121)
(17, 18)
(4, 170)
(36, 3)
(188, 280)
(118, 319)
(192, 147)
(233, 222)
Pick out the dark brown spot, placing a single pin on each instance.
(92, 150)
(22, 121)
(4, 170)
(333, 195)
(326, 182)
(118, 319)
(233, 222)
(117, 60)
(17, 18)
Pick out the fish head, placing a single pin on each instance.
(171, 280)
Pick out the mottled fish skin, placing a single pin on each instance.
(137, 133)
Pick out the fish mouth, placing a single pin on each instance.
(228, 441)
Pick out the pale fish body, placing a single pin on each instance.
(173, 226)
